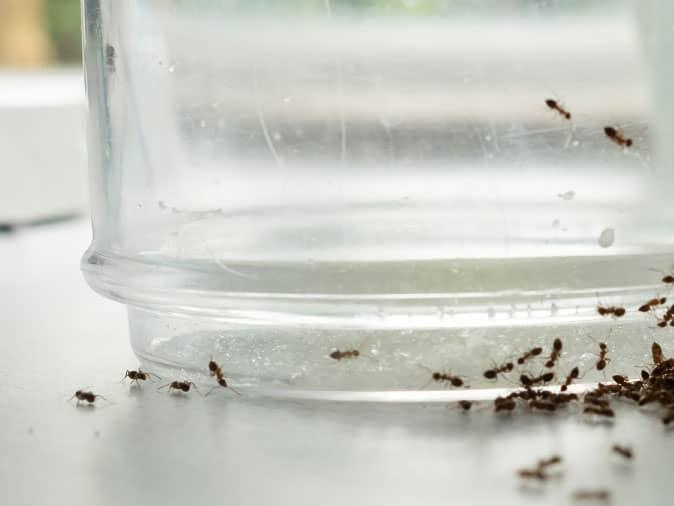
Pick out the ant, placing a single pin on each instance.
(623, 451)
(138, 376)
(339, 355)
(493, 373)
(465, 405)
(503, 404)
(556, 351)
(216, 371)
(183, 386)
(601, 411)
(614, 310)
(621, 380)
(617, 137)
(667, 318)
(592, 495)
(656, 352)
(555, 459)
(543, 405)
(669, 279)
(552, 104)
(538, 472)
(528, 381)
(575, 372)
(595, 401)
(533, 352)
(603, 351)
(455, 381)
(645, 308)
(84, 396)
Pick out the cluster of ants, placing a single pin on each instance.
(536, 398)
(655, 386)
(540, 472)
(176, 386)
(611, 132)
(651, 306)
(658, 385)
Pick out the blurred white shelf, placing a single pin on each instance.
(42, 144)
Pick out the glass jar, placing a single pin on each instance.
(337, 198)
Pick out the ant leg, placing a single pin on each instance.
(195, 388)
(430, 380)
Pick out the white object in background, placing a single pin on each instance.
(42, 144)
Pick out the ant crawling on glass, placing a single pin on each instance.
(216, 371)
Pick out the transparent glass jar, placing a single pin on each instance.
(430, 183)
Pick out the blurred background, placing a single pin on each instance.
(41, 104)
(35, 33)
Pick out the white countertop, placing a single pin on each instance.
(147, 447)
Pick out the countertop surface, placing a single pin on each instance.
(141, 446)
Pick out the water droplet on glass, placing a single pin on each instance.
(172, 69)
(567, 195)
(575, 144)
(277, 136)
(606, 238)
(487, 138)
(555, 223)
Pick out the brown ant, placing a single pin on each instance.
(595, 410)
(465, 405)
(555, 459)
(538, 472)
(575, 372)
(617, 137)
(535, 474)
(138, 376)
(494, 372)
(592, 495)
(623, 451)
(504, 404)
(611, 310)
(542, 405)
(556, 351)
(84, 396)
(179, 386)
(216, 371)
(528, 381)
(645, 308)
(669, 279)
(455, 381)
(603, 351)
(533, 352)
(339, 355)
(595, 401)
(552, 104)
(656, 352)
(620, 380)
